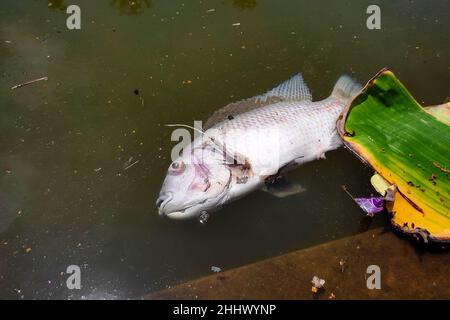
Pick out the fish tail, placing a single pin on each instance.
(345, 88)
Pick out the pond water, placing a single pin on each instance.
(65, 197)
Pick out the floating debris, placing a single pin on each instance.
(237, 24)
(370, 205)
(128, 164)
(138, 93)
(317, 284)
(204, 217)
(342, 264)
(379, 183)
(216, 269)
(29, 82)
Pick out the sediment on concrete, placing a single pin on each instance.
(406, 273)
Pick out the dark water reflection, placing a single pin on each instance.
(245, 4)
(56, 4)
(131, 7)
(123, 7)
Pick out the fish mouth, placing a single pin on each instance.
(180, 215)
(162, 201)
(192, 209)
(185, 213)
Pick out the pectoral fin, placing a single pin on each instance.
(280, 187)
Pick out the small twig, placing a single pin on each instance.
(347, 192)
(29, 82)
(129, 166)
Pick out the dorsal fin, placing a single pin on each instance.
(294, 89)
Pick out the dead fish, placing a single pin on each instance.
(249, 144)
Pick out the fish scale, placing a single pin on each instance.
(307, 130)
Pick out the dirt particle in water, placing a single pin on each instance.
(216, 269)
(342, 263)
(317, 286)
(221, 278)
(136, 92)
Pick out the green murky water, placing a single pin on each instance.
(65, 196)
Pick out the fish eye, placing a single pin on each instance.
(177, 167)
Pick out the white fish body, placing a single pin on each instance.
(282, 132)
(283, 129)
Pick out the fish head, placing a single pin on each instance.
(196, 182)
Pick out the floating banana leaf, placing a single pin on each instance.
(407, 146)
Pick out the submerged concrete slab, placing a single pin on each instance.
(406, 273)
